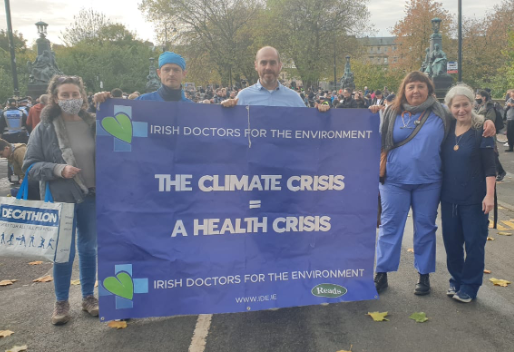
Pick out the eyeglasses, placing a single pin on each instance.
(61, 79)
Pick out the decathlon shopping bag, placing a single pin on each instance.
(35, 229)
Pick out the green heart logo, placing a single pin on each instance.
(119, 127)
(121, 285)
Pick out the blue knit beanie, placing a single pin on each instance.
(168, 57)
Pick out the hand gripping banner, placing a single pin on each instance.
(204, 209)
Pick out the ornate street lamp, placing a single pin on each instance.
(41, 28)
(436, 24)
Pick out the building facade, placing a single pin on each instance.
(380, 50)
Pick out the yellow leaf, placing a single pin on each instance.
(410, 250)
(46, 278)
(487, 271)
(350, 350)
(504, 233)
(117, 324)
(500, 282)
(7, 282)
(5, 333)
(490, 239)
(17, 349)
(38, 262)
(75, 282)
(377, 316)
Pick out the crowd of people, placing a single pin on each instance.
(433, 154)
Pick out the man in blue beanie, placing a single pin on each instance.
(171, 71)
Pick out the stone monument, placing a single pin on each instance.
(44, 68)
(153, 81)
(435, 63)
(347, 79)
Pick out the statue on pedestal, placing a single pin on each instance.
(347, 79)
(438, 62)
(153, 81)
(43, 69)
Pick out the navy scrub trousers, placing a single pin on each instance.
(465, 225)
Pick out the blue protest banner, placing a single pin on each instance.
(203, 209)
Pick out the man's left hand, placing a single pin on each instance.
(489, 129)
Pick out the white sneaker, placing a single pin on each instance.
(506, 144)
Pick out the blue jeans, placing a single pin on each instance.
(85, 224)
(396, 202)
(465, 226)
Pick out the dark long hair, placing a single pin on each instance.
(415, 76)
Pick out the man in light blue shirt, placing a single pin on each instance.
(268, 91)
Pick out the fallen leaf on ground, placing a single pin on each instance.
(487, 271)
(75, 282)
(5, 333)
(17, 349)
(500, 282)
(377, 316)
(350, 350)
(419, 317)
(7, 282)
(410, 250)
(38, 262)
(117, 324)
(504, 233)
(46, 278)
(490, 239)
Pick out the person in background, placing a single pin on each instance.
(25, 104)
(117, 93)
(485, 107)
(360, 101)
(509, 114)
(13, 123)
(61, 151)
(467, 194)
(348, 102)
(15, 153)
(35, 112)
(379, 98)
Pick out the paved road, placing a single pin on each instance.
(484, 325)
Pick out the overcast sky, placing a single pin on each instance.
(59, 14)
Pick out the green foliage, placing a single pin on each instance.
(118, 64)
(376, 77)
(310, 31)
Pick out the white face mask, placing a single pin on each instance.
(71, 106)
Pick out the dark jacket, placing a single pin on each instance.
(50, 151)
(361, 104)
(347, 103)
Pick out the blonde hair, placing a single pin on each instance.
(477, 121)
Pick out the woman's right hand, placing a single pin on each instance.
(70, 171)
(99, 98)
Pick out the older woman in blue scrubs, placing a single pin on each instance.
(413, 179)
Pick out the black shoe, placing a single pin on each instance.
(500, 176)
(381, 282)
(423, 285)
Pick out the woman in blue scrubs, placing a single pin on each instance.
(413, 178)
(467, 194)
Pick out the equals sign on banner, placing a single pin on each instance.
(254, 204)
